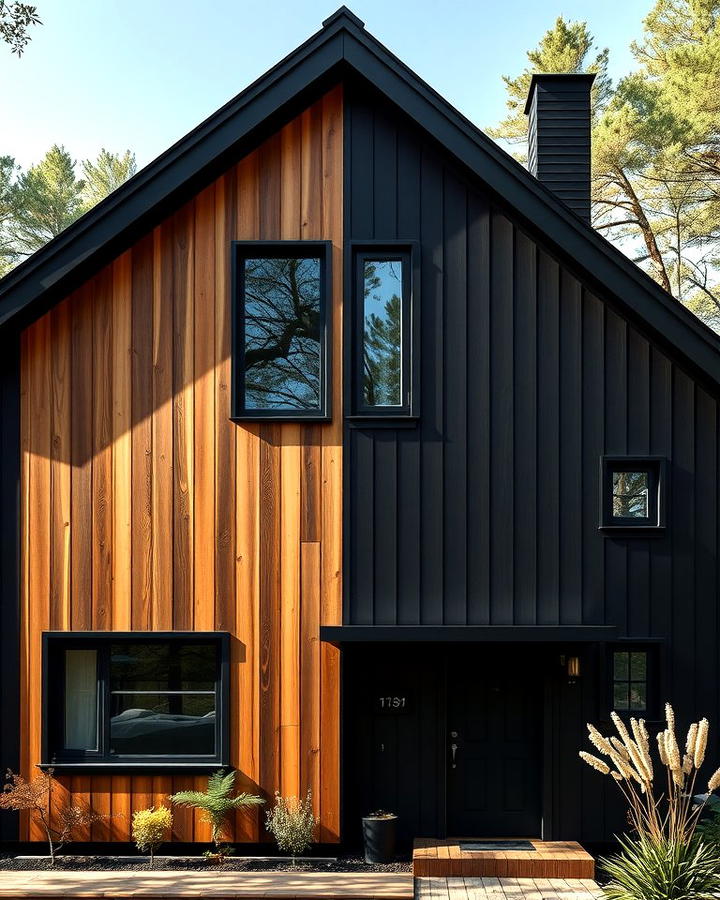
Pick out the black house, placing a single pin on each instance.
(340, 403)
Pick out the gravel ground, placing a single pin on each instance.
(237, 864)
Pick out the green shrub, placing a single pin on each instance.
(217, 803)
(662, 869)
(150, 828)
(292, 823)
(708, 828)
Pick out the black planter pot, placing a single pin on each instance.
(379, 838)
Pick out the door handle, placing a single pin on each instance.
(453, 748)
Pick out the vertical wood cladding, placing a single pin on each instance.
(490, 505)
(145, 508)
(9, 561)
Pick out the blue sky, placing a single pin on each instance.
(142, 73)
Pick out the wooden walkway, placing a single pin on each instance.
(218, 885)
(456, 888)
(439, 857)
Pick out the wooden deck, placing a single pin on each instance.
(550, 859)
(457, 888)
(218, 885)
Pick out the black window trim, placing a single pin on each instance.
(653, 648)
(357, 411)
(92, 761)
(657, 467)
(241, 250)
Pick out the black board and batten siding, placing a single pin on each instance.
(486, 513)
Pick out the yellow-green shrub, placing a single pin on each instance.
(150, 828)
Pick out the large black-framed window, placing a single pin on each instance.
(131, 699)
(632, 493)
(281, 328)
(384, 339)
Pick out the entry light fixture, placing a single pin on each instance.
(573, 669)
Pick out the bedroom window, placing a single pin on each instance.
(280, 330)
(384, 331)
(126, 699)
(632, 493)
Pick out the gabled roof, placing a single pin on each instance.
(341, 47)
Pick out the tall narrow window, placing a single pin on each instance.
(280, 337)
(382, 381)
(383, 358)
(630, 680)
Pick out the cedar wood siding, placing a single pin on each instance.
(9, 562)
(487, 512)
(145, 508)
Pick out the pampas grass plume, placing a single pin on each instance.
(701, 742)
(596, 763)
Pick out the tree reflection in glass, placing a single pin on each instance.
(283, 324)
(382, 338)
(630, 495)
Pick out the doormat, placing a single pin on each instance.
(496, 845)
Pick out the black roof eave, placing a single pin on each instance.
(116, 221)
(341, 47)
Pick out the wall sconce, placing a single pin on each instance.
(573, 669)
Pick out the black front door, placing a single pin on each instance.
(494, 765)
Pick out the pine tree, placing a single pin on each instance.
(47, 199)
(107, 173)
(656, 143)
(8, 253)
(566, 47)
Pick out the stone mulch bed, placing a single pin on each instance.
(70, 863)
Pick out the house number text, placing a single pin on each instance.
(392, 702)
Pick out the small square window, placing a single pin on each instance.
(632, 493)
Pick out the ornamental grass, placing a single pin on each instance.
(662, 859)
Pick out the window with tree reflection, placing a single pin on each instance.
(382, 334)
(384, 345)
(633, 490)
(281, 325)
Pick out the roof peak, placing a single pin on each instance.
(343, 13)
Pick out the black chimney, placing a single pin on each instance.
(558, 107)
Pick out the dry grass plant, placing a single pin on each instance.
(671, 814)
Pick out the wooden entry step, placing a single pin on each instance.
(437, 857)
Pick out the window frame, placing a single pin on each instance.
(409, 253)
(651, 649)
(54, 643)
(655, 522)
(240, 251)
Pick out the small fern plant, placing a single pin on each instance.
(292, 823)
(216, 803)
